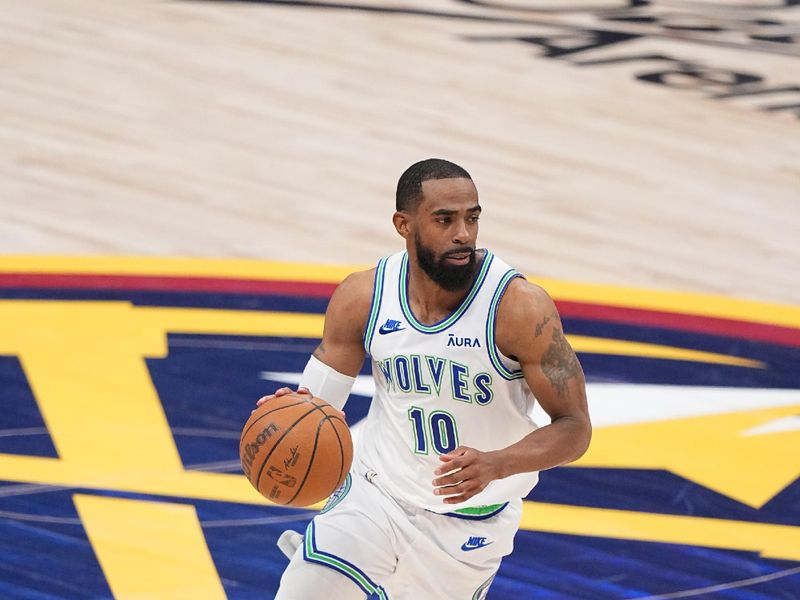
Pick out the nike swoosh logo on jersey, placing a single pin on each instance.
(390, 327)
(474, 543)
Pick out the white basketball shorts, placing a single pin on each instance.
(392, 550)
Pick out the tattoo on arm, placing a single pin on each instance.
(320, 350)
(540, 327)
(559, 362)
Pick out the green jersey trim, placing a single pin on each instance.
(480, 511)
(456, 314)
(375, 309)
(491, 322)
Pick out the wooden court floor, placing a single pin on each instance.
(183, 183)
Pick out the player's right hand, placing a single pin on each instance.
(282, 392)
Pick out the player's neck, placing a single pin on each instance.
(429, 301)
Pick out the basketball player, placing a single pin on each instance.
(461, 347)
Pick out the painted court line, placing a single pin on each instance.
(724, 586)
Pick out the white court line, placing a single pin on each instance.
(723, 586)
(15, 516)
(304, 516)
(219, 466)
(26, 489)
(23, 431)
(241, 345)
(211, 433)
(187, 431)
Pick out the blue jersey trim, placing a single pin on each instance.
(375, 305)
(452, 318)
(312, 554)
(338, 495)
(491, 321)
(480, 593)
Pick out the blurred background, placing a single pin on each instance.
(178, 177)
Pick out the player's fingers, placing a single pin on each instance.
(458, 499)
(457, 462)
(466, 474)
(463, 491)
(304, 390)
(283, 391)
(453, 454)
(449, 490)
(263, 399)
(447, 474)
(464, 479)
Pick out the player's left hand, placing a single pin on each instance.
(465, 472)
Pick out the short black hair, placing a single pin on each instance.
(409, 186)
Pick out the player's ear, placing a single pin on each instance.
(401, 223)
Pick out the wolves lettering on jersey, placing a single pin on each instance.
(422, 375)
(441, 385)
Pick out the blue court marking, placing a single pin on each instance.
(657, 491)
(226, 300)
(22, 429)
(585, 568)
(57, 559)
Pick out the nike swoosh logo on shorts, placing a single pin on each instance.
(474, 544)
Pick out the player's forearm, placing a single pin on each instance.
(564, 440)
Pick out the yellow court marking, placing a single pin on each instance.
(231, 322)
(712, 450)
(704, 305)
(85, 365)
(226, 268)
(772, 541)
(153, 550)
(85, 362)
(708, 305)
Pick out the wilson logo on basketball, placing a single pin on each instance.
(251, 449)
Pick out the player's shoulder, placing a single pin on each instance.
(358, 283)
(525, 313)
(354, 293)
(525, 300)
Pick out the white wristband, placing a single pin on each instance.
(326, 383)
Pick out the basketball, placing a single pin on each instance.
(295, 449)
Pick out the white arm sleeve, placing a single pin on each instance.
(326, 383)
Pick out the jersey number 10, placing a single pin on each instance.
(439, 428)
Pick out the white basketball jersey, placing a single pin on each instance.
(441, 386)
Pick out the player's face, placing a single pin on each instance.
(446, 230)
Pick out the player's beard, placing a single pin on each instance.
(449, 277)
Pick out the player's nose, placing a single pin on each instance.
(461, 234)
